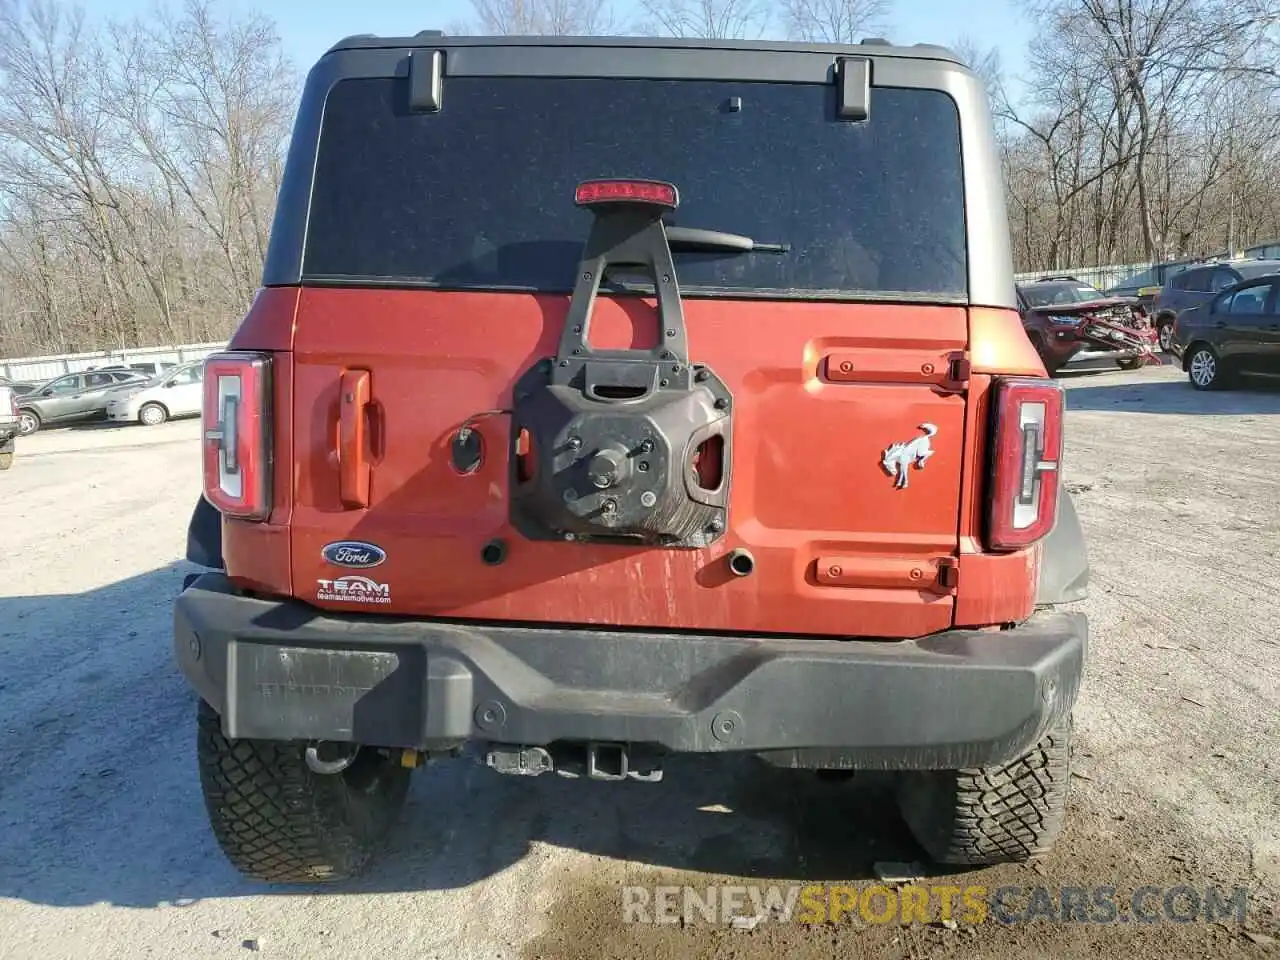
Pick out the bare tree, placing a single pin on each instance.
(1132, 142)
(709, 19)
(543, 17)
(138, 168)
(834, 21)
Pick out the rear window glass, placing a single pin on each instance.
(480, 195)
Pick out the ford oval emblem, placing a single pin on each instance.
(353, 553)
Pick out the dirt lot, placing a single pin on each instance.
(105, 852)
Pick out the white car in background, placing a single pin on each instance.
(172, 393)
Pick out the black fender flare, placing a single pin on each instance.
(204, 536)
(1064, 558)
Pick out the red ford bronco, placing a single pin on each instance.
(610, 399)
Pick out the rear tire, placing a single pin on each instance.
(995, 814)
(152, 415)
(1164, 330)
(277, 821)
(28, 422)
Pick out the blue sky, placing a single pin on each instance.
(309, 27)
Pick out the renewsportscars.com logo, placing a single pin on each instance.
(933, 903)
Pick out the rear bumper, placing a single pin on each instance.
(284, 670)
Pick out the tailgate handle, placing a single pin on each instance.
(353, 462)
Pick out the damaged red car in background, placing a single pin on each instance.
(1068, 320)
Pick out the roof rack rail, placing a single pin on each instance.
(428, 34)
(874, 42)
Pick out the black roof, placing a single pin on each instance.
(437, 38)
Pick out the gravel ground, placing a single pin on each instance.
(105, 851)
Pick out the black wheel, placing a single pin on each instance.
(28, 422)
(1204, 368)
(278, 821)
(1164, 330)
(152, 415)
(1129, 363)
(990, 815)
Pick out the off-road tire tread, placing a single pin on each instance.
(277, 821)
(999, 814)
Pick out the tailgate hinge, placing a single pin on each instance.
(948, 573)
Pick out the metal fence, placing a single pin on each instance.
(42, 368)
(1101, 277)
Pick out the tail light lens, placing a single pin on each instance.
(1025, 468)
(237, 434)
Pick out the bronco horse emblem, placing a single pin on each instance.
(898, 457)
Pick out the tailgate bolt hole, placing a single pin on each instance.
(643, 466)
(725, 725)
(835, 571)
(493, 552)
(741, 563)
(916, 573)
(665, 382)
(648, 498)
(926, 369)
(576, 351)
(491, 715)
(846, 367)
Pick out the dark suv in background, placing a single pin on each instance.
(1235, 331)
(1198, 285)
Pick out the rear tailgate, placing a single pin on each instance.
(440, 250)
(839, 548)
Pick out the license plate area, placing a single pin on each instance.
(288, 692)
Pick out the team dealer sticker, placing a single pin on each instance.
(356, 554)
(353, 589)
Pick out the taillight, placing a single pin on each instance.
(1026, 462)
(237, 434)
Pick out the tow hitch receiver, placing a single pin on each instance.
(624, 446)
(597, 761)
